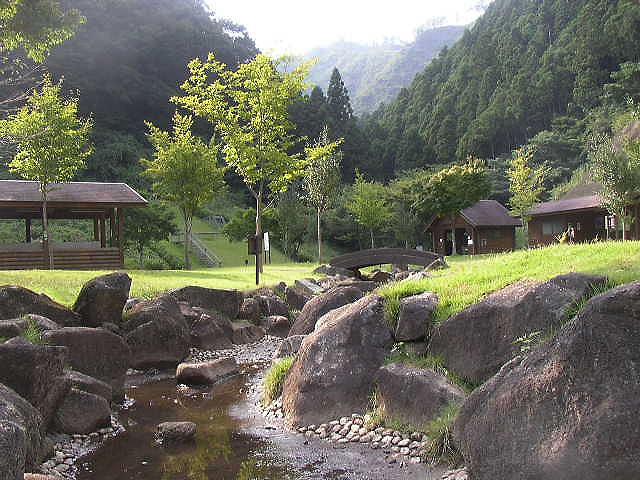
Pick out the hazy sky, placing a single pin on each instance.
(295, 26)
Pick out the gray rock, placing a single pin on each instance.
(477, 341)
(415, 395)
(250, 310)
(295, 299)
(206, 373)
(88, 384)
(21, 435)
(568, 411)
(17, 326)
(102, 299)
(365, 286)
(289, 346)
(332, 271)
(17, 301)
(226, 302)
(321, 304)
(175, 432)
(36, 374)
(95, 352)
(307, 287)
(82, 413)
(158, 334)
(416, 317)
(276, 326)
(245, 332)
(335, 368)
(211, 332)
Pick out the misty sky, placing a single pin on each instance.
(294, 26)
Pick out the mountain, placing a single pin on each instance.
(545, 72)
(374, 74)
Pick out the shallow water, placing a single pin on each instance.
(222, 448)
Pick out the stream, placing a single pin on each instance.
(233, 441)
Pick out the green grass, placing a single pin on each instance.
(471, 278)
(274, 380)
(442, 447)
(64, 285)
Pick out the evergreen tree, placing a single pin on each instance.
(338, 104)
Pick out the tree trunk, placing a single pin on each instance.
(319, 239)
(624, 229)
(140, 256)
(188, 220)
(454, 250)
(45, 229)
(371, 231)
(259, 262)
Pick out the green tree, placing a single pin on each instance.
(526, 183)
(52, 142)
(454, 189)
(35, 25)
(338, 103)
(144, 227)
(184, 170)
(616, 166)
(249, 107)
(368, 204)
(322, 178)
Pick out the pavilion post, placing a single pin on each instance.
(27, 230)
(103, 236)
(96, 230)
(120, 235)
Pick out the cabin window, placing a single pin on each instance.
(552, 228)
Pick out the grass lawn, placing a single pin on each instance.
(64, 285)
(471, 278)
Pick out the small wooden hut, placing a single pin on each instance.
(102, 203)
(485, 227)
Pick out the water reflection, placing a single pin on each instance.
(221, 449)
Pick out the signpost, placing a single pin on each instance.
(267, 248)
(254, 247)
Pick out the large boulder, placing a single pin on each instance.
(82, 413)
(88, 384)
(175, 432)
(569, 410)
(307, 287)
(17, 326)
(21, 435)
(226, 302)
(415, 395)
(289, 346)
(295, 299)
(321, 304)
(17, 301)
(95, 352)
(334, 371)
(477, 341)
(158, 334)
(206, 373)
(416, 317)
(211, 332)
(245, 332)
(276, 326)
(102, 299)
(36, 373)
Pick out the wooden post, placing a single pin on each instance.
(120, 235)
(112, 228)
(103, 238)
(96, 230)
(27, 229)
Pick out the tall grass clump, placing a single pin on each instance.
(274, 380)
(442, 447)
(33, 333)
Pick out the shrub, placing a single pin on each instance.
(274, 380)
(442, 447)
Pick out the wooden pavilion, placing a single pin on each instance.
(104, 203)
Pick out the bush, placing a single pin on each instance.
(274, 380)
(441, 447)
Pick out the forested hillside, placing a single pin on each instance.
(374, 74)
(127, 60)
(525, 72)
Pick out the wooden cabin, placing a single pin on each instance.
(485, 227)
(103, 204)
(581, 211)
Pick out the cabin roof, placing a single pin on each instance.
(90, 194)
(581, 197)
(486, 213)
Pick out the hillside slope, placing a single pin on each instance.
(375, 74)
(522, 68)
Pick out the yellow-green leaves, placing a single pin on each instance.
(526, 183)
(52, 142)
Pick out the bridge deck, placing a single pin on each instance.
(382, 256)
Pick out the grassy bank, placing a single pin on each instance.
(64, 286)
(471, 278)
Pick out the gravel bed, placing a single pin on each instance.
(247, 354)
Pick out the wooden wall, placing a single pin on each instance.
(88, 259)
